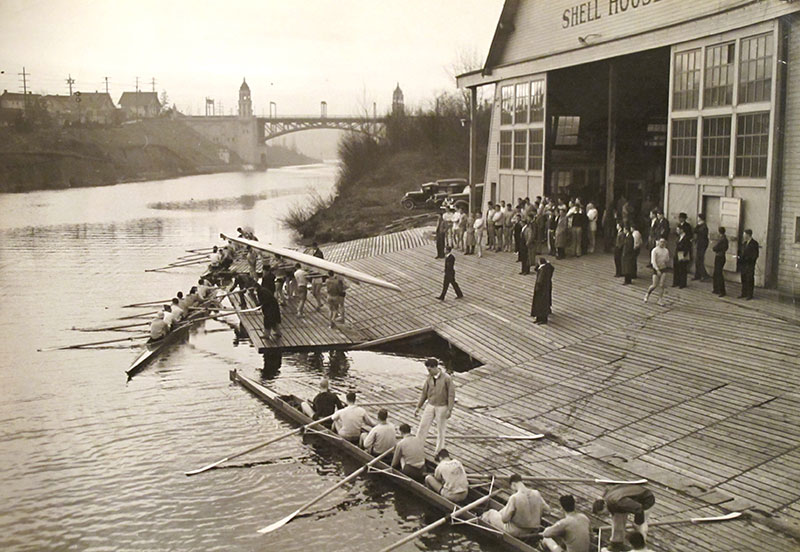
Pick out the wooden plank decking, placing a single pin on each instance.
(701, 397)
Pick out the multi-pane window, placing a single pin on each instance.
(519, 149)
(535, 149)
(567, 130)
(715, 159)
(537, 101)
(505, 149)
(718, 87)
(684, 146)
(506, 105)
(755, 69)
(752, 145)
(686, 87)
(521, 106)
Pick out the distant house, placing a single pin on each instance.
(15, 100)
(140, 104)
(81, 107)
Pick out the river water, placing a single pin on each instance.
(89, 461)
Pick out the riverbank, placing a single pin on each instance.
(367, 205)
(153, 149)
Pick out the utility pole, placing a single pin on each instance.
(70, 82)
(153, 82)
(106, 79)
(137, 84)
(24, 76)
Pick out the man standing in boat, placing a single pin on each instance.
(440, 394)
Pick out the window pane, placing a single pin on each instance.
(537, 101)
(506, 105)
(505, 149)
(755, 69)
(521, 108)
(719, 75)
(520, 146)
(685, 88)
(567, 130)
(715, 159)
(684, 147)
(752, 145)
(535, 149)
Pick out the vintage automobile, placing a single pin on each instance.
(432, 194)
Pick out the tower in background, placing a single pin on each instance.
(245, 103)
(398, 107)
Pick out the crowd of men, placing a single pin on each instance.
(178, 309)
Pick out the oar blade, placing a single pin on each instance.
(726, 517)
(278, 524)
(206, 468)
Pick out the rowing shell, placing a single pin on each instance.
(287, 405)
(316, 262)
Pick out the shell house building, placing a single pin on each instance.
(691, 106)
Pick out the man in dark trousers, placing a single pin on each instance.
(270, 310)
(747, 264)
(441, 233)
(450, 275)
(542, 291)
(701, 244)
(622, 500)
(720, 248)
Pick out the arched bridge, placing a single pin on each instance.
(272, 127)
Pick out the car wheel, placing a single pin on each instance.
(408, 204)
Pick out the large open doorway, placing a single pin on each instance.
(578, 113)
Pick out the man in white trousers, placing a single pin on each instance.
(440, 394)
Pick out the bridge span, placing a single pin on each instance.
(273, 127)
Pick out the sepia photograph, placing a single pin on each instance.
(450, 275)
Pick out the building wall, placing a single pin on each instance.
(789, 194)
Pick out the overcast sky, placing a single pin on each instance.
(293, 52)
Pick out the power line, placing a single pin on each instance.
(70, 82)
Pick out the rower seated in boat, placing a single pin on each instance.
(169, 319)
(216, 259)
(350, 420)
(182, 302)
(203, 288)
(177, 312)
(409, 456)
(158, 329)
(323, 405)
(380, 438)
(192, 298)
(449, 479)
(572, 531)
(522, 514)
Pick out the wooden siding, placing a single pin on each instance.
(788, 250)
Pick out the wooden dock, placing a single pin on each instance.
(700, 397)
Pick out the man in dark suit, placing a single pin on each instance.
(450, 275)
(747, 264)
(542, 292)
(701, 244)
(720, 248)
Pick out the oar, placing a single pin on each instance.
(440, 521)
(290, 517)
(498, 437)
(251, 449)
(725, 517)
(82, 345)
(140, 315)
(598, 480)
(109, 328)
(146, 304)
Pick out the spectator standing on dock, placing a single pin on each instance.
(660, 226)
(508, 228)
(591, 217)
(573, 529)
(522, 514)
(247, 286)
(479, 227)
(469, 235)
(301, 278)
(252, 262)
(335, 287)
(659, 262)
(701, 245)
(561, 232)
(747, 264)
(440, 393)
(683, 256)
(619, 242)
(449, 479)
(324, 404)
(447, 217)
(542, 291)
(527, 238)
(381, 437)
(409, 455)
(628, 256)
(489, 224)
(579, 223)
(271, 311)
(720, 249)
(316, 251)
(622, 500)
(450, 275)
(497, 223)
(350, 420)
(441, 236)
